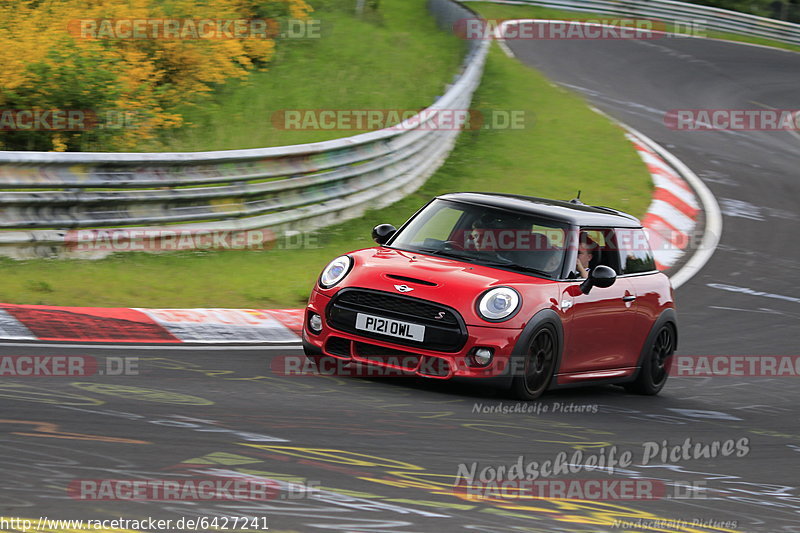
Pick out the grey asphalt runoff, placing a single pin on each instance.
(381, 455)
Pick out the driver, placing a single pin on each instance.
(586, 248)
(484, 234)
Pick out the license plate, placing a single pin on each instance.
(387, 326)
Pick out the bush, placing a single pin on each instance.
(45, 64)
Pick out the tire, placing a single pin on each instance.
(539, 364)
(654, 371)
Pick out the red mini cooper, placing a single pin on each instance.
(515, 291)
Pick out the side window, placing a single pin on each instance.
(601, 242)
(634, 251)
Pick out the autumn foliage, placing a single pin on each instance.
(44, 65)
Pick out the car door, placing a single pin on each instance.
(598, 325)
(650, 287)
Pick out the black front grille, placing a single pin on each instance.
(445, 330)
(338, 346)
(387, 356)
(403, 305)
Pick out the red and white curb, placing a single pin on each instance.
(672, 216)
(151, 326)
(671, 207)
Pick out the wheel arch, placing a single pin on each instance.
(542, 317)
(668, 316)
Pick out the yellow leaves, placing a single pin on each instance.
(59, 143)
(145, 76)
(262, 49)
(299, 9)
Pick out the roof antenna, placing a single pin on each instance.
(577, 199)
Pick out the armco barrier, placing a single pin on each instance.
(681, 12)
(289, 188)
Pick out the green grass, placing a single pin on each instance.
(498, 11)
(393, 59)
(565, 148)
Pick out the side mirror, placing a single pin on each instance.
(600, 276)
(382, 233)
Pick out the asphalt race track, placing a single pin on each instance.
(381, 456)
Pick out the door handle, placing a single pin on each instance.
(628, 298)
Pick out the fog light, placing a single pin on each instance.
(314, 322)
(482, 356)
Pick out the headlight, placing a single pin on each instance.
(335, 271)
(499, 304)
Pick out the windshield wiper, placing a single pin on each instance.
(513, 266)
(432, 251)
(435, 251)
(427, 250)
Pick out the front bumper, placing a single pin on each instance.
(400, 359)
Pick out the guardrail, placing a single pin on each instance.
(285, 189)
(668, 10)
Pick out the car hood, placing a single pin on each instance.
(451, 282)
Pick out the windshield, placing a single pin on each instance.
(516, 241)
